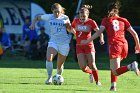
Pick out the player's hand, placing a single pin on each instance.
(102, 41)
(137, 49)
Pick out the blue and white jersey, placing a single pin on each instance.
(58, 32)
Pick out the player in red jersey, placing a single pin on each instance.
(118, 46)
(86, 53)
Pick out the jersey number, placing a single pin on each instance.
(116, 25)
(80, 34)
(59, 29)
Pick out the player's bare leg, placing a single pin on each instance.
(92, 65)
(60, 63)
(51, 52)
(114, 64)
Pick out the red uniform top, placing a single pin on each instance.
(115, 27)
(83, 31)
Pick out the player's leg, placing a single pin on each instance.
(60, 63)
(123, 50)
(63, 51)
(133, 66)
(116, 53)
(116, 70)
(51, 52)
(92, 65)
(114, 64)
(82, 61)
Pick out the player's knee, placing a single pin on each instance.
(93, 66)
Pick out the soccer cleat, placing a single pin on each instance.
(91, 78)
(98, 83)
(135, 67)
(48, 81)
(113, 88)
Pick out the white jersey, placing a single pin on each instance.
(58, 32)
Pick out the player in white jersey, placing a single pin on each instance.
(59, 38)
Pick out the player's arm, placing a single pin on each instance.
(101, 37)
(94, 36)
(70, 28)
(136, 38)
(37, 18)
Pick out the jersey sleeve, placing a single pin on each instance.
(46, 16)
(127, 24)
(103, 23)
(67, 20)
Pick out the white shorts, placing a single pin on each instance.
(62, 49)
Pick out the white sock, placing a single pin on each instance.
(60, 71)
(129, 66)
(49, 67)
(113, 84)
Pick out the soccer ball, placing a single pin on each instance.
(57, 79)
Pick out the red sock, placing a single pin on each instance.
(122, 70)
(95, 75)
(113, 78)
(88, 70)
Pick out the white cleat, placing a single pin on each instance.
(91, 78)
(48, 81)
(98, 83)
(135, 67)
(113, 88)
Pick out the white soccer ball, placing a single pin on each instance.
(57, 79)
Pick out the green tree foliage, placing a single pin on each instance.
(130, 8)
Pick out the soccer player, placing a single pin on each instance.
(118, 47)
(86, 53)
(59, 38)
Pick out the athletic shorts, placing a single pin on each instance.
(86, 49)
(118, 49)
(62, 49)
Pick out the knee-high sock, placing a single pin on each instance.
(49, 67)
(95, 75)
(113, 77)
(60, 71)
(88, 70)
(122, 70)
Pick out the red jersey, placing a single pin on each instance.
(115, 27)
(83, 31)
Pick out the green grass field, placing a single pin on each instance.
(18, 75)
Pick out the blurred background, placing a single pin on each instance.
(13, 14)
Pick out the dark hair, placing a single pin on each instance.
(56, 6)
(113, 8)
(42, 28)
(27, 17)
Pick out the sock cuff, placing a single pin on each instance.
(49, 63)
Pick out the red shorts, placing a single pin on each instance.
(85, 49)
(118, 49)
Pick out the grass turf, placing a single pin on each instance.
(18, 75)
